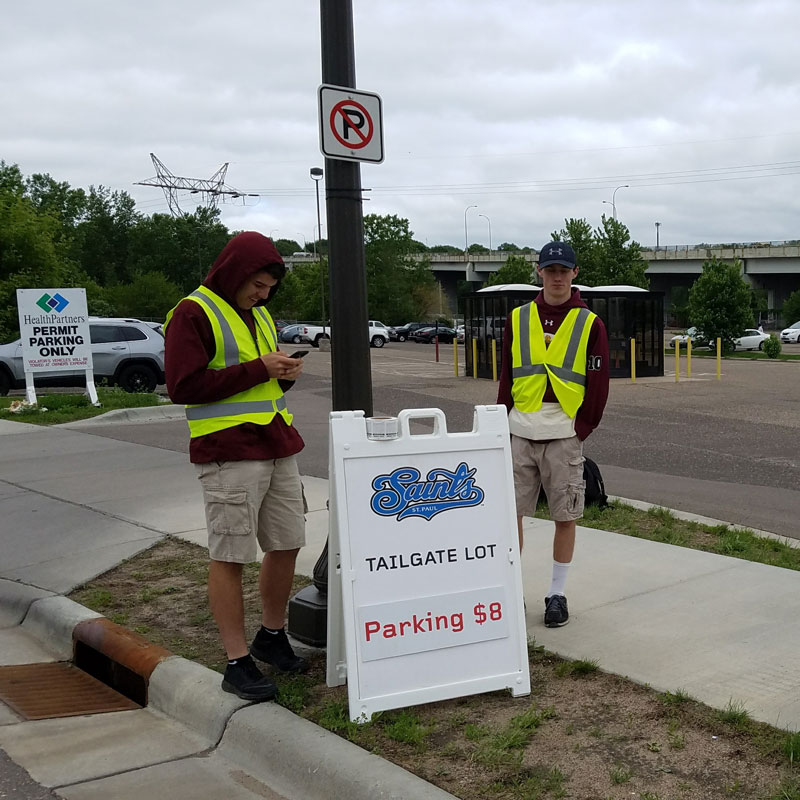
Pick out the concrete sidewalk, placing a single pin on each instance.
(74, 505)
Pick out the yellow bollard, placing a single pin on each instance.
(677, 360)
(474, 358)
(494, 359)
(688, 358)
(719, 359)
(633, 360)
(455, 357)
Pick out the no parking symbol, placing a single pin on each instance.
(350, 124)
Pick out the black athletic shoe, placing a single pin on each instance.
(274, 648)
(555, 611)
(245, 680)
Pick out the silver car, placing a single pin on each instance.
(125, 352)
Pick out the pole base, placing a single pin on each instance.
(308, 617)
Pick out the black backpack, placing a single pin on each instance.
(595, 488)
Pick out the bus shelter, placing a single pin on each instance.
(627, 311)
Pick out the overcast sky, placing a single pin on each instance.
(532, 111)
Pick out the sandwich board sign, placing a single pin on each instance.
(425, 585)
(54, 332)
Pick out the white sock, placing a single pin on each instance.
(559, 578)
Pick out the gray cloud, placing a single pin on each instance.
(534, 113)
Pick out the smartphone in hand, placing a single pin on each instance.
(299, 354)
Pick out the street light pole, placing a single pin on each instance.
(466, 241)
(658, 225)
(490, 230)
(316, 175)
(614, 198)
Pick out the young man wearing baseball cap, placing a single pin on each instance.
(554, 383)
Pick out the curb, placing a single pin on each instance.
(295, 756)
(689, 517)
(131, 415)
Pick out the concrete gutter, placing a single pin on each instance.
(292, 756)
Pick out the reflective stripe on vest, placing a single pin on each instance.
(235, 409)
(260, 403)
(567, 375)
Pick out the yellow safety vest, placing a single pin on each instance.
(563, 361)
(235, 345)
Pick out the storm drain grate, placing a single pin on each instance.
(44, 691)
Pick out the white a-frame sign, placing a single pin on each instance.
(425, 588)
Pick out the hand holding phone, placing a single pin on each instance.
(299, 354)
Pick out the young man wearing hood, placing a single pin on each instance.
(554, 383)
(222, 361)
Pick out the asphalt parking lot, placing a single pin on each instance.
(727, 449)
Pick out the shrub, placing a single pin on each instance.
(772, 346)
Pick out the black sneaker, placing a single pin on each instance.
(274, 648)
(245, 680)
(555, 611)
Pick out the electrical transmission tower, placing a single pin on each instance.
(211, 189)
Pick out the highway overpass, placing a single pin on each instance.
(772, 266)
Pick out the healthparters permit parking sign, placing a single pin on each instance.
(425, 585)
(54, 332)
(350, 124)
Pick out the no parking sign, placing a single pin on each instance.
(350, 124)
(425, 586)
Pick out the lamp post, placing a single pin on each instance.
(466, 241)
(316, 175)
(613, 201)
(490, 230)
(658, 225)
(271, 232)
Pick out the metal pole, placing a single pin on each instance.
(466, 241)
(316, 176)
(658, 225)
(490, 230)
(350, 361)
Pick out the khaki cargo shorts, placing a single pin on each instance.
(558, 466)
(250, 503)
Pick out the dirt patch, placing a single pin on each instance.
(582, 734)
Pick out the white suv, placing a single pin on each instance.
(126, 352)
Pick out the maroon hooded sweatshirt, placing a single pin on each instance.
(190, 347)
(594, 402)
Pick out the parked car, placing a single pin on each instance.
(460, 333)
(427, 335)
(697, 337)
(290, 333)
(791, 334)
(404, 331)
(377, 332)
(751, 339)
(126, 352)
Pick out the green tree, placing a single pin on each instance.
(445, 250)
(287, 246)
(719, 301)
(791, 308)
(578, 232)
(180, 248)
(508, 247)
(29, 253)
(619, 258)
(515, 270)
(399, 287)
(606, 255)
(148, 296)
(478, 248)
(102, 237)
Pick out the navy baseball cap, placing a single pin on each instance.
(557, 253)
